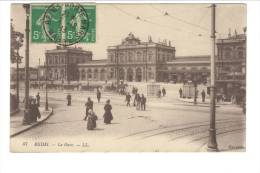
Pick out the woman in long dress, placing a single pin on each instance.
(108, 114)
(92, 118)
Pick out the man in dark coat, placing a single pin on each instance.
(38, 99)
(138, 101)
(163, 91)
(135, 100)
(35, 113)
(143, 102)
(108, 114)
(89, 105)
(203, 95)
(180, 92)
(69, 100)
(128, 98)
(98, 95)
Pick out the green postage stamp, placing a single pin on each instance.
(63, 24)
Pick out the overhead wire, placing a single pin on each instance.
(154, 23)
(166, 13)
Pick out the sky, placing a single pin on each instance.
(187, 27)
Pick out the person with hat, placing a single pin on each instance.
(89, 105)
(69, 100)
(91, 120)
(108, 114)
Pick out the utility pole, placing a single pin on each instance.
(146, 64)
(27, 30)
(39, 74)
(117, 72)
(212, 143)
(46, 85)
(17, 78)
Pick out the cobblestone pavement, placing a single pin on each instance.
(166, 125)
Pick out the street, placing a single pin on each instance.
(168, 124)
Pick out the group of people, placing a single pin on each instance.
(139, 100)
(91, 117)
(33, 112)
(161, 92)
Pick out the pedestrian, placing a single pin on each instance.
(203, 95)
(108, 114)
(135, 98)
(128, 98)
(98, 95)
(69, 100)
(138, 101)
(35, 113)
(91, 120)
(143, 102)
(133, 91)
(180, 92)
(163, 91)
(89, 105)
(38, 99)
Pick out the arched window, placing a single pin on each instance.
(121, 57)
(130, 57)
(111, 73)
(83, 74)
(89, 74)
(139, 56)
(95, 73)
(102, 74)
(227, 53)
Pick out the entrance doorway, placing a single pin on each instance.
(130, 74)
(138, 75)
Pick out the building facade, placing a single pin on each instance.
(33, 72)
(231, 65)
(188, 68)
(136, 61)
(62, 62)
(132, 60)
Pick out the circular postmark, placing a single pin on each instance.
(65, 24)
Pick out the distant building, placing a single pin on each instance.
(231, 64)
(132, 60)
(63, 62)
(188, 68)
(33, 72)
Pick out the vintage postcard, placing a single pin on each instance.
(148, 77)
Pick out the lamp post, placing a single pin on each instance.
(117, 72)
(212, 143)
(26, 119)
(46, 86)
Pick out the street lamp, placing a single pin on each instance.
(212, 143)
(26, 119)
(46, 86)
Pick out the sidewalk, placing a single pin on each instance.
(230, 142)
(16, 120)
(199, 101)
